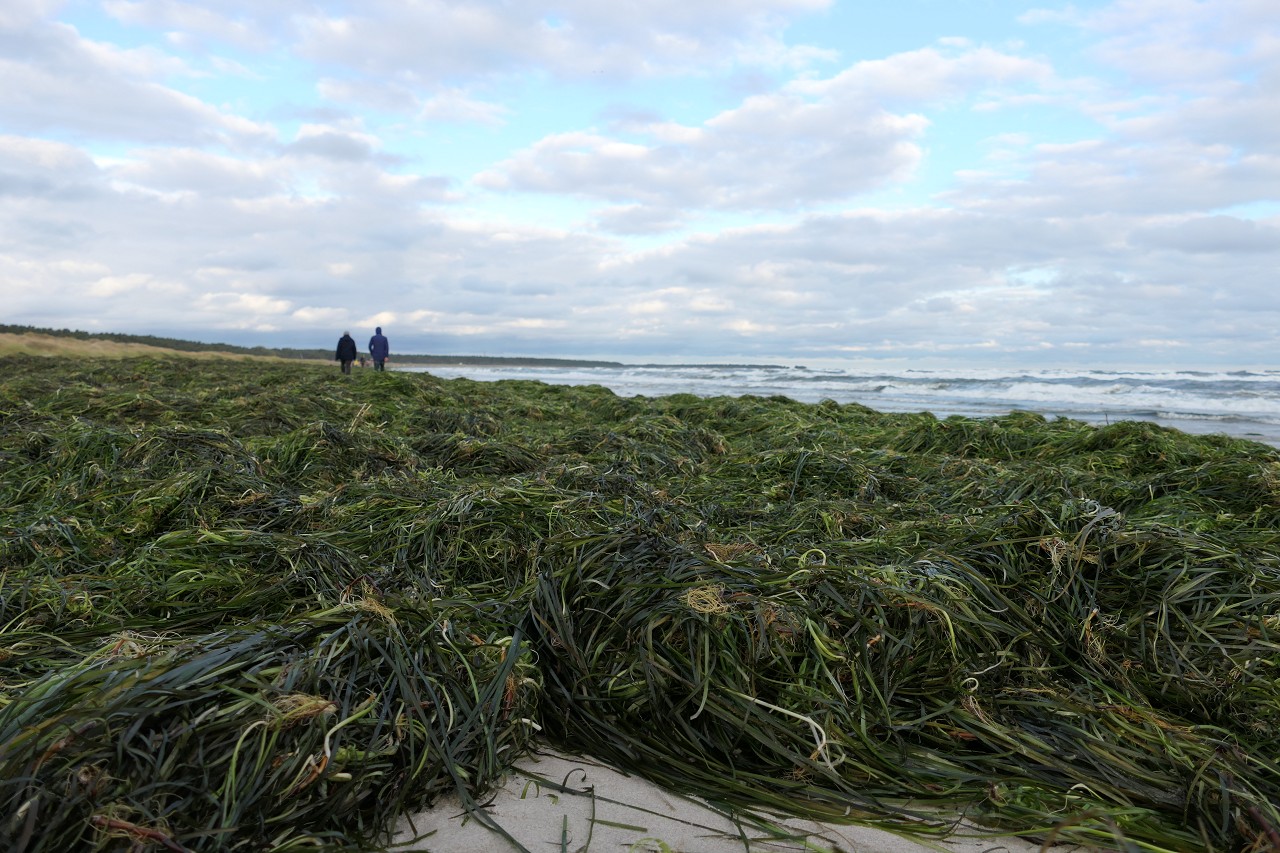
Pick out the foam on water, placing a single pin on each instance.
(1240, 403)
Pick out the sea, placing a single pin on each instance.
(1239, 403)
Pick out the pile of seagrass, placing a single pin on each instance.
(254, 606)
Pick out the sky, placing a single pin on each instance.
(923, 182)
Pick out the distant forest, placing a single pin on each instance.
(285, 352)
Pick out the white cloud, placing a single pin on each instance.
(455, 105)
(62, 83)
(639, 219)
(1117, 175)
(37, 167)
(1211, 235)
(1190, 43)
(928, 74)
(333, 144)
(381, 95)
(190, 19)
(438, 41)
(168, 170)
(246, 311)
(313, 316)
(15, 14)
(812, 142)
(740, 160)
(136, 285)
(382, 318)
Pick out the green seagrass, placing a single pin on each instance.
(263, 606)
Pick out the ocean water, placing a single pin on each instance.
(1244, 404)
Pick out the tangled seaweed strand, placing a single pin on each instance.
(258, 606)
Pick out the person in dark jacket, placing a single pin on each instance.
(346, 351)
(379, 349)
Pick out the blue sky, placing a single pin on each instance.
(981, 182)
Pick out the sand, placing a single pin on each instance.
(555, 802)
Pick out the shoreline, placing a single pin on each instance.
(1233, 426)
(23, 340)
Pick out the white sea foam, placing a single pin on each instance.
(1240, 403)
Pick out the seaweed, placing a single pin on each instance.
(262, 606)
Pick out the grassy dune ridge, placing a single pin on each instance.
(250, 605)
(64, 346)
(68, 343)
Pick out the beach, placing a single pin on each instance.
(273, 606)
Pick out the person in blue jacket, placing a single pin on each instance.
(379, 349)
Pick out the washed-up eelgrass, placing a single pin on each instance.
(250, 606)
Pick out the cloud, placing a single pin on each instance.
(437, 42)
(37, 167)
(1184, 43)
(134, 284)
(883, 281)
(316, 316)
(253, 311)
(1118, 175)
(928, 74)
(196, 23)
(810, 143)
(1228, 117)
(16, 14)
(441, 104)
(638, 219)
(186, 170)
(455, 105)
(1211, 235)
(332, 144)
(812, 213)
(739, 160)
(58, 82)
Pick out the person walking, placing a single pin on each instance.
(379, 349)
(346, 352)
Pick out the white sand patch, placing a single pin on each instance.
(559, 803)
